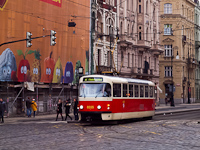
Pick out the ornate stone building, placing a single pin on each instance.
(104, 31)
(139, 44)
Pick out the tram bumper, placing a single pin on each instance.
(94, 116)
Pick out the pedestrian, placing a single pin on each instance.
(34, 107)
(59, 109)
(75, 109)
(2, 109)
(28, 107)
(67, 109)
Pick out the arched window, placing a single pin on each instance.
(99, 23)
(109, 26)
(182, 10)
(167, 8)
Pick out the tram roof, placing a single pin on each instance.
(115, 79)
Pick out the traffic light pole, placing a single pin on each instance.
(23, 40)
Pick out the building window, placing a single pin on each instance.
(121, 27)
(108, 58)
(128, 60)
(168, 51)
(167, 29)
(99, 57)
(128, 30)
(147, 7)
(140, 9)
(140, 36)
(154, 63)
(122, 58)
(132, 60)
(167, 8)
(168, 71)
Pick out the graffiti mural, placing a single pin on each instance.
(3, 4)
(8, 66)
(30, 70)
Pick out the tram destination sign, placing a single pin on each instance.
(95, 79)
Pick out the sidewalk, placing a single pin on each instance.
(160, 110)
(48, 117)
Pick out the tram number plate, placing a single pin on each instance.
(90, 107)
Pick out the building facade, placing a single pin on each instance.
(104, 33)
(197, 49)
(139, 43)
(49, 69)
(178, 62)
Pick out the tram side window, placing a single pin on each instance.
(136, 91)
(141, 91)
(146, 91)
(130, 90)
(151, 91)
(125, 90)
(116, 90)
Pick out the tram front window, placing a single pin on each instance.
(95, 90)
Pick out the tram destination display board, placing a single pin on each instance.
(95, 79)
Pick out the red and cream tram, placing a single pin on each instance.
(115, 98)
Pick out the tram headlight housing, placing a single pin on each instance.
(108, 106)
(81, 107)
(98, 107)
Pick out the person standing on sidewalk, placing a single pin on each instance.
(2, 109)
(59, 109)
(75, 109)
(28, 107)
(34, 107)
(67, 109)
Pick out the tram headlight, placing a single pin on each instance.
(81, 107)
(108, 106)
(98, 107)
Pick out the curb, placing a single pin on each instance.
(175, 111)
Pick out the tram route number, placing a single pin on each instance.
(90, 107)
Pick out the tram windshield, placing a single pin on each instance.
(95, 90)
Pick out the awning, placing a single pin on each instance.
(159, 89)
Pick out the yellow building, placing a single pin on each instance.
(177, 63)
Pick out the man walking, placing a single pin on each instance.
(2, 109)
(28, 107)
(75, 109)
(67, 109)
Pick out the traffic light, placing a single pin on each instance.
(28, 39)
(52, 38)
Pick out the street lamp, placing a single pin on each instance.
(172, 96)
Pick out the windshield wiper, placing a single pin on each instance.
(98, 94)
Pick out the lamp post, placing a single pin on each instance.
(188, 74)
(172, 96)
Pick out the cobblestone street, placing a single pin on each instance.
(137, 135)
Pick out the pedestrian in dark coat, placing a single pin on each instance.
(59, 109)
(67, 109)
(28, 107)
(75, 109)
(2, 109)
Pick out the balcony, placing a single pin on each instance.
(144, 44)
(157, 48)
(124, 39)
